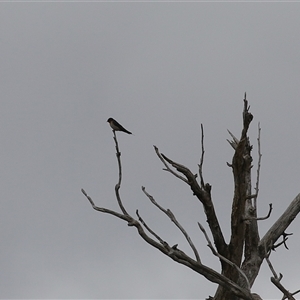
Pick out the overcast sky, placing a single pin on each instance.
(160, 69)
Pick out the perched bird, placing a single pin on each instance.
(116, 126)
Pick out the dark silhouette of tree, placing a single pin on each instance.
(242, 256)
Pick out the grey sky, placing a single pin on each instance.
(160, 69)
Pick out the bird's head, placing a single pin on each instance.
(109, 120)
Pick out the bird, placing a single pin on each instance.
(117, 126)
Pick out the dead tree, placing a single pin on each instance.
(242, 256)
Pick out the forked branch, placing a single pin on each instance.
(203, 194)
(105, 210)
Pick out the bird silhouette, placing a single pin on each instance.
(117, 126)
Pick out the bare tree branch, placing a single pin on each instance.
(247, 118)
(202, 158)
(164, 243)
(118, 185)
(271, 266)
(105, 210)
(204, 196)
(293, 294)
(172, 217)
(258, 168)
(276, 281)
(261, 218)
(234, 141)
(278, 228)
(163, 247)
(284, 239)
(167, 167)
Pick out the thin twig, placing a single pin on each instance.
(260, 218)
(268, 215)
(118, 185)
(164, 243)
(298, 291)
(172, 217)
(166, 165)
(202, 158)
(285, 237)
(271, 266)
(234, 143)
(247, 118)
(105, 210)
(258, 167)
